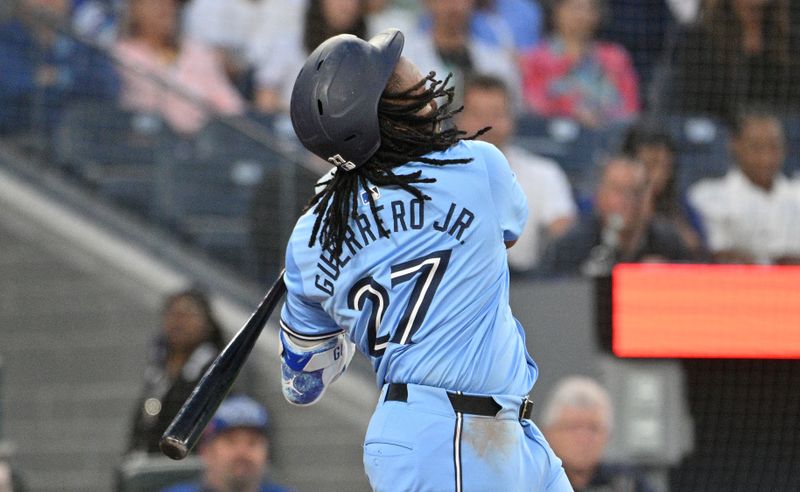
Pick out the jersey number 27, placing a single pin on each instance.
(429, 271)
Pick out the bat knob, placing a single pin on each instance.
(173, 447)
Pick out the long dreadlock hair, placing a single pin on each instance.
(406, 136)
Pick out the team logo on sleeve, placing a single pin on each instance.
(375, 195)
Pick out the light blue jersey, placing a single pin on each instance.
(428, 304)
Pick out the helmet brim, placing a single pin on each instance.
(390, 42)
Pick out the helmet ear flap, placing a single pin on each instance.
(334, 105)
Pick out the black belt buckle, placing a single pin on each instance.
(526, 409)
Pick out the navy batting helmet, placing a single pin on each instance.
(334, 105)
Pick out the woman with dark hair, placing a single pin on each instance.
(402, 255)
(163, 73)
(188, 341)
(740, 52)
(278, 56)
(656, 149)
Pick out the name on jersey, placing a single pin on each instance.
(405, 216)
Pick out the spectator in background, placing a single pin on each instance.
(654, 148)
(231, 28)
(485, 24)
(513, 25)
(571, 74)
(642, 27)
(577, 420)
(235, 450)
(279, 59)
(179, 79)
(523, 18)
(621, 229)
(450, 45)
(43, 70)
(188, 341)
(551, 209)
(752, 214)
(740, 52)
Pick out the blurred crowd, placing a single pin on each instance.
(540, 73)
(689, 109)
(595, 61)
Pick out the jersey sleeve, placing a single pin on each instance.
(301, 316)
(510, 203)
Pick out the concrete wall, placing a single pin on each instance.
(78, 306)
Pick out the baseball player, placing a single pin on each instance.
(401, 254)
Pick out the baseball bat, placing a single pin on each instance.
(188, 425)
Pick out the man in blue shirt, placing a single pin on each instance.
(235, 450)
(402, 254)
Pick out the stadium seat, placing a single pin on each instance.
(702, 144)
(562, 139)
(578, 149)
(111, 149)
(205, 188)
(141, 473)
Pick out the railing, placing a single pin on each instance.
(233, 189)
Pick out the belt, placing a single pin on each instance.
(470, 404)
